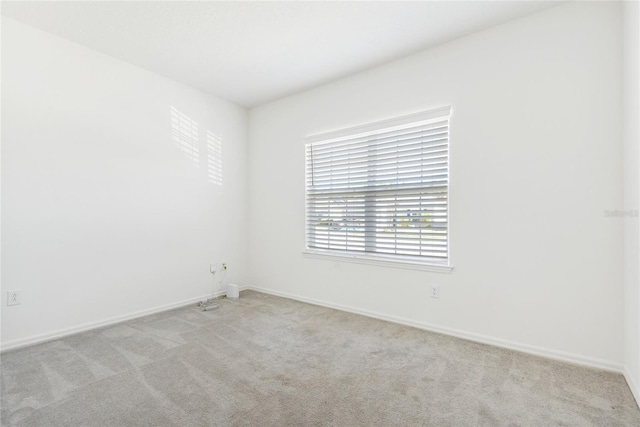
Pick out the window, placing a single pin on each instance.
(380, 191)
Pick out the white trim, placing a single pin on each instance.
(511, 345)
(49, 336)
(633, 385)
(449, 192)
(421, 116)
(524, 348)
(396, 262)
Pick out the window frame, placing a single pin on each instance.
(380, 259)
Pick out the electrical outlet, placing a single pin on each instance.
(224, 265)
(435, 291)
(13, 297)
(212, 268)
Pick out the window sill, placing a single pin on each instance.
(396, 263)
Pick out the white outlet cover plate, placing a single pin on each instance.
(13, 297)
(435, 291)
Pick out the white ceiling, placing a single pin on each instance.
(254, 52)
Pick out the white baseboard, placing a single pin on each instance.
(524, 348)
(633, 385)
(49, 336)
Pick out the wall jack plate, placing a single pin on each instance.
(13, 297)
(435, 291)
(213, 268)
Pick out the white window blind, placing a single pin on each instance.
(381, 190)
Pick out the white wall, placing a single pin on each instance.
(536, 160)
(631, 137)
(104, 215)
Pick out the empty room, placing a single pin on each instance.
(320, 213)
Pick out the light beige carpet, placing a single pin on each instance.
(268, 361)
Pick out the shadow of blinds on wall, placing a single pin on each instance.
(381, 190)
